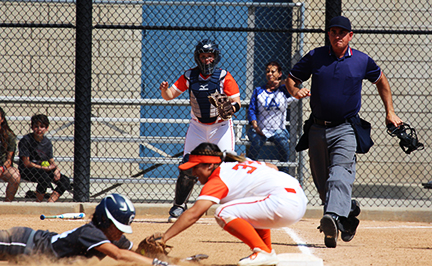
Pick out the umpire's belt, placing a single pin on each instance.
(328, 123)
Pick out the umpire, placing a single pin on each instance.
(334, 132)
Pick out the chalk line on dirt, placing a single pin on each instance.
(298, 240)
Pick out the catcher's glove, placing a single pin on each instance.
(223, 105)
(407, 135)
(154, 247)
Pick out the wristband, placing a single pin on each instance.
(237, 106)
(159, 262)
(3, 169)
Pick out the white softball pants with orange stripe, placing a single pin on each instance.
(274, 211)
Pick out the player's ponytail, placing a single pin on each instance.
(231, 157)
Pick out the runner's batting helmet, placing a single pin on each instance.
(117, 209)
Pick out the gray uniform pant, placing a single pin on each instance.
(16, 241)
(333, 165)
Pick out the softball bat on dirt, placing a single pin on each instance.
(72, 215)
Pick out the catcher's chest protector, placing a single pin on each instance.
(200, 89)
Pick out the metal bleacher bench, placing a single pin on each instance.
(144, 140)
(141, 160)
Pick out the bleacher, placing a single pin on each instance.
(162, 158)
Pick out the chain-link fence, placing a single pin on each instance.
(135, 141)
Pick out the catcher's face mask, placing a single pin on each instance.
(407, 136)
(207, 46)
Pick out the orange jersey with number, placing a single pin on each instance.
(231, 181)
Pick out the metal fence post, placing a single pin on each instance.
(333, 9)
(82, 101)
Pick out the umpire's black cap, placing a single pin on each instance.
(341, 22)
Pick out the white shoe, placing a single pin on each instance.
(172, 219)
(260, 257)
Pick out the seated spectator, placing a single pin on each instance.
(267, 115)
(36, 162)
(8, 173)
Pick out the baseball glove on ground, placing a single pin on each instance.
(153, 247)
(223, 105)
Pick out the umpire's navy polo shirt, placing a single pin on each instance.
(336, 82)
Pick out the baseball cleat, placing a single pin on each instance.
(175, 213)
(330, 229)
(350, 227)
(355, 209)
(260, 257)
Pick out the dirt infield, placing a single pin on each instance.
(376, 243)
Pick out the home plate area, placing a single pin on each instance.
(298, 259)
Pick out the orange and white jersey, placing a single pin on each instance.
(228, 85)
(232, 181)
(221, 81)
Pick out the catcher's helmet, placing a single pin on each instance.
(117, 209)
(207, 46)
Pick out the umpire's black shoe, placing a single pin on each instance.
(330, 229)
(355, 209)
(348, 227)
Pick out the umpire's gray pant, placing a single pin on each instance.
(333, 162)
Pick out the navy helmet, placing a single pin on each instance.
(115, 208)
(207, 46)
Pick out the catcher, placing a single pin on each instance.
(254, 198)
(214, 96)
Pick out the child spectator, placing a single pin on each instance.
(36, 162)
